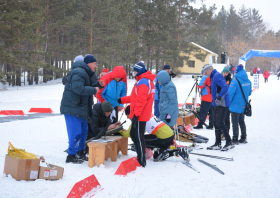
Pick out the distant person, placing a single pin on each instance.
(206, 103)
(255, 70)
(221, 104)
(259, 70)
(76, 105)
(104, 71)
(166, 68)
(278, 73)
(238, 104)
(168, 105)
(265, 75)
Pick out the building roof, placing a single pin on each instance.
(204, 48)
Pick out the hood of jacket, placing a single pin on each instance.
(147, 75)
(163, 77)
(117, 72)
(83, 65)
(242, 75)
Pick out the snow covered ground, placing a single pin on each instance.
(255, 171)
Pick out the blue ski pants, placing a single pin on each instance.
(77, 129)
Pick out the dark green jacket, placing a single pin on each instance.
(77, 99)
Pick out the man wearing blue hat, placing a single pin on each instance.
(76, 105)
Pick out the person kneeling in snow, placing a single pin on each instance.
(100, 122)
(160, 136)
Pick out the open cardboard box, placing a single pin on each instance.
(53, 172)
(21, 169)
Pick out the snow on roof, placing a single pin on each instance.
(204, 48)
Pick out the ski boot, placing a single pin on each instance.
(161, 156)
(210, 127)
(74, 159)
(235, 142)
(82, 155)
(243, 141)
(198, 127)
(183, 152)
(228, 146)
(216, 146)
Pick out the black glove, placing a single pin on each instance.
(97, 85)
(135, 119)
(119, 101)
(218, 100)
(168, 118)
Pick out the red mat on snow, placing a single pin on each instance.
(12, 112)
(40, 110)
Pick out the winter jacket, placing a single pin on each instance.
(155, 127)
(77, 99)
(142, 97)
(113, 91)
(266, 74)
(205, 86)
(157, 88)
(117, 72)
(99, 123)
(255, 70)
(219, 81)
(168, 99)
(237, 102)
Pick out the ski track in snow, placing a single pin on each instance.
(255, 171)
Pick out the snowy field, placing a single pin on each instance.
(255, 171)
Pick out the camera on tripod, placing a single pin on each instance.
(196, 76)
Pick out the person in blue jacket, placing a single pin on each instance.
(220, 102)
(113, 91)
(158, 86)
(168, 105)
(238, 103)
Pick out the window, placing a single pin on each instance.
(191, 63)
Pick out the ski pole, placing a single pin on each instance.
(213, 156)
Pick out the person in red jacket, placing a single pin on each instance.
(206, 103)
(265, 75)
(141, 104)
(255, 70)
(118, 74)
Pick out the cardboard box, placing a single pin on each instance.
(53, 172)
(21, 169)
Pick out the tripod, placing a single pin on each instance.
(195, 102)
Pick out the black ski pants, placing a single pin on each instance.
(206, 107)
(137, 136)
(266, 80)
(162, 144)
(115, 120)
(219, 124)
(227, 121)
(237, 120)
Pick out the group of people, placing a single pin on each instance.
(222, 96)
(86, 121)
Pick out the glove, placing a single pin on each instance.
(119, 101)
(218, 100)
(135, 119)
(168, 118)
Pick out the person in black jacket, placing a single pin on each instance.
(100, 122)
(76, 105)
(226, 73)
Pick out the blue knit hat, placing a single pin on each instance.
(79, 58)
(89, 59)
(166, 67)
(140, 68)
(239, 68)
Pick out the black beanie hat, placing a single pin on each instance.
(106, 106)
(89, 59)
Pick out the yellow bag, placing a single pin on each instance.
(19, 153)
